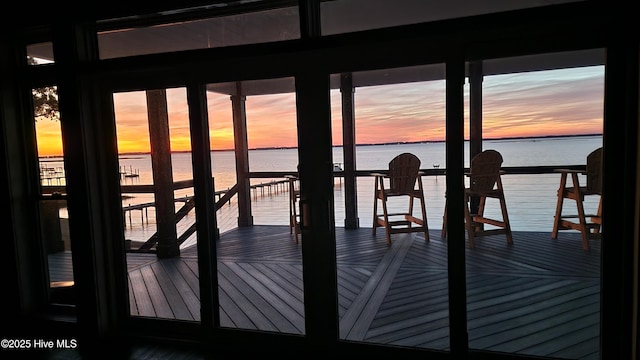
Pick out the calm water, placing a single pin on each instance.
(527, 152)
(531, 198)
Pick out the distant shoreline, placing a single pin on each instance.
(44, 158)
(430, 141)
(484, 139)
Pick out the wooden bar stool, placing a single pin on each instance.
(485, 182)
(294, 197)
(591, 228)
(404, 174)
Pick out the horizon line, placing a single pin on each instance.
(364, 144)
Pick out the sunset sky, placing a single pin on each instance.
(558, 102)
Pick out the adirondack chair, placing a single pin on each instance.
(294, 200)
(593, 187)
(400, 182)
(485, 182)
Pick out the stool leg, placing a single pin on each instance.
(375, 207)
(558, 216)
(443, 234)
(469, 222)
(581, 216)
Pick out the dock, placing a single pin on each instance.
(268, 188)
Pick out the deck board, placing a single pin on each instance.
(177, 292)
(144, 306)
(188, 290)
(358, 318)
(241, 295)
(270, 299)
(291, 292)
(156, 293)
(231, 311)
(538, 296)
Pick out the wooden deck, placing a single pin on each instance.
(537, 297)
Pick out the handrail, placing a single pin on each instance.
(531, 170)
(58, 192)
(183, 184)
(227, 196)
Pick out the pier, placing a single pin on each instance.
(129, 173)
(261, 189)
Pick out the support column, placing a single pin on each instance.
(245, 218)
(347, 90)
(475, 117)
(162, 173)
(475, 108)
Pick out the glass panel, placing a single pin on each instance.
(253, 128)
(229, 30)
(41, 53)
(343, 16)
(54, 219)
(54, 224)
(221, 138)
(343, 150)
(393, 290)
(539, 295)
(157, 203)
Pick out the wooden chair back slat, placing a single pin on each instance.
(402, 178)
(485, 170)
(594, 172)
(403, 173)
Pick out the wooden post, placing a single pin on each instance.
(475, 108)
(351, 220)
(475, 118)
(242, 156)
(162, 173)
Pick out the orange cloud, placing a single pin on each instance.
(49, 137)
(558, 102)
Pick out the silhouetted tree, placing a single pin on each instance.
(45, 100)
(45, 103)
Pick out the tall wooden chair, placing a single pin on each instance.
(294, 199)
(485, 182)
(404, 173)
(591, 228)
